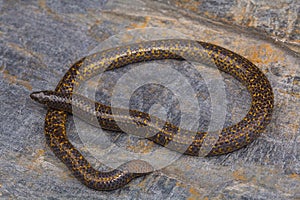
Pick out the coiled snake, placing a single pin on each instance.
(230, 138)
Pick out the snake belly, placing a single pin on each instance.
(229, 139)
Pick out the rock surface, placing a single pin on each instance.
(41, 39)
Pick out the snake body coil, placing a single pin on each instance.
(230, 138)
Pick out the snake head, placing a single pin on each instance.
(137, 167)
(42, 97)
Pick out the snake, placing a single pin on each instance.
(63, 100)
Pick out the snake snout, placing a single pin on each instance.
(137, 167)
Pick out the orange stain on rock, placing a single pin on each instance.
(180, 184)
(239, 175)
(37, 160)
(14, 80)
(40, 152)
(295, 176)
(189, 5)
(43, 5)
(142, 146)
(143, 25)
(239, 14)
(264, 54)
(194, 194)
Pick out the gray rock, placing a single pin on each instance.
(41, 39)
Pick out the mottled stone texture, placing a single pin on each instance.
(41, 39)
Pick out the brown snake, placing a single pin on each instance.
(230, 138)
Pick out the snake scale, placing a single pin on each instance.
(59, 103)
